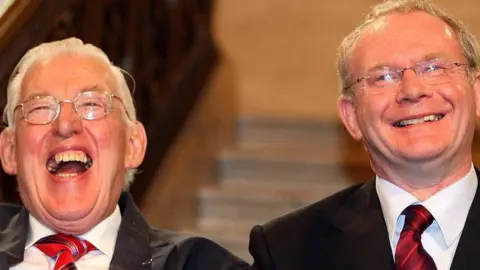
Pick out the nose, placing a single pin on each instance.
(412, 89)
(68, 122)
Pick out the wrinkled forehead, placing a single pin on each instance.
(67, 74)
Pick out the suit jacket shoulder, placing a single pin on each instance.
(319, 213)
(195, 252)
(7, 212)
(140, 246)
(344, 231)
(276, 244)
(13, 228)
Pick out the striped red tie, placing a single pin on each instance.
(410, 254)
(65, 249)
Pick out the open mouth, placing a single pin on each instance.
(421, 120)
(69, 163)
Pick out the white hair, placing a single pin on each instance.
(47, 51)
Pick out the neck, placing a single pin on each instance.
(424, 181)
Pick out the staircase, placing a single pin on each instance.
(275, 166)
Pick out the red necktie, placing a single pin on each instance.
(66, 249)
(410, 253)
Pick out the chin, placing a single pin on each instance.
(70, 214)
(77, 227)
(423, 155)
(72, 221)
(69, 210)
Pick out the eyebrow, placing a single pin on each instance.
(428, 57)
(433, 56)
(83, 90)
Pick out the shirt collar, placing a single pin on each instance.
(449, 206)
(103, 236)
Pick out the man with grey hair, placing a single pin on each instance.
(411, 93)
(73, 143)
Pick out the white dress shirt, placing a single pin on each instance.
(449, 207)
(103, 237)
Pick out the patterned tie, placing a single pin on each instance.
(410, 253)
(66, 249)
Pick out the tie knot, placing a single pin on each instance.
(417, 218)
(65, 249)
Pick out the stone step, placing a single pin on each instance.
(301, 133)
(304, 133)
(290, 164)
(257, 202)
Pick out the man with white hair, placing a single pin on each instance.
(73, 143)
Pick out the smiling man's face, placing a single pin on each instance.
(71, 171)
(415, 122)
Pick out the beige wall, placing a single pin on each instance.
(284, 50)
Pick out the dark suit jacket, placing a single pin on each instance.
(138, 245)
(344, 231)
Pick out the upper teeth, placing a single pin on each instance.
(428, 118)
(71, 156)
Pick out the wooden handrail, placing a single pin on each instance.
(15, 14)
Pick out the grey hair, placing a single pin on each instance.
(467, 40)
(46, 51)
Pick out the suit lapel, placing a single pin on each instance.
(132, 249)
(362, 241)
(12, 240)
(466, 255)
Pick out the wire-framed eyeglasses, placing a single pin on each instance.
(431, 72)
(89, 105)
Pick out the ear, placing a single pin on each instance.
(136, 145)
(476, 89)
(8, 152)
(346, 111)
